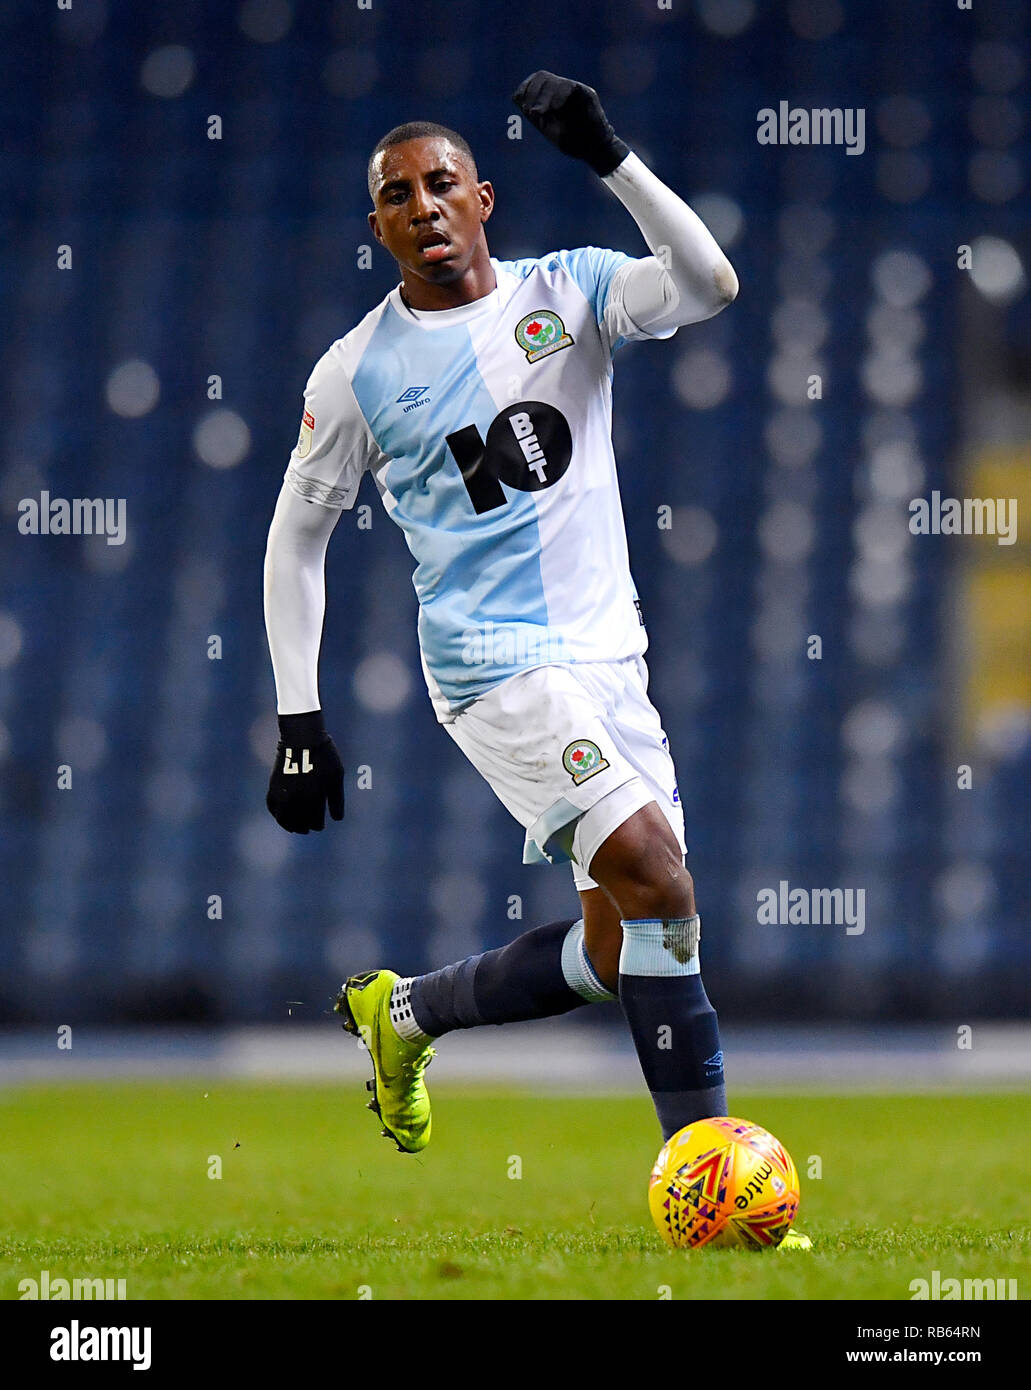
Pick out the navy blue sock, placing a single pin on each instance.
(674, 1026)
(543, 972)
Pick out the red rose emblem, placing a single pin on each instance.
(577, 757)
(532, 329)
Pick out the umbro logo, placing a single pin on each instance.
(715, 1062)
(412, 397)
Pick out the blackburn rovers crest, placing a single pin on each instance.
(541, 333)
(583, 759)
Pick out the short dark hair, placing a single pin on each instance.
(419, 130)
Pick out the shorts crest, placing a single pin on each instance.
(583, 759)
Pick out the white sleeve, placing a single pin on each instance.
(295, 597)
(647, 299)
(322, 478)
(335, 445)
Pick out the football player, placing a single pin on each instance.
(478, 394)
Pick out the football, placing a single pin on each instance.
(723, 1182)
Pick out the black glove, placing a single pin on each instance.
(308, 774)
(571, 117)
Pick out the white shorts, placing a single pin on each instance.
(572, 751)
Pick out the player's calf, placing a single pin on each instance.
(673, 1024)
(544, 972)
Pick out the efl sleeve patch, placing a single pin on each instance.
(307, 435)
(333, 445)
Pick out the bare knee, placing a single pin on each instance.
(641, 867)
(665, 892)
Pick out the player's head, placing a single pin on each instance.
(430, 203)
(419, 130)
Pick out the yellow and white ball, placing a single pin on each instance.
(723, 1182)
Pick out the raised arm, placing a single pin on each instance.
(687, 278)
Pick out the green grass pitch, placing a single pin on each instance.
(112, 1181)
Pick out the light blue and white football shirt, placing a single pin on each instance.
(488, 430)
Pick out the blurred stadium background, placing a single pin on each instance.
(239, 258)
